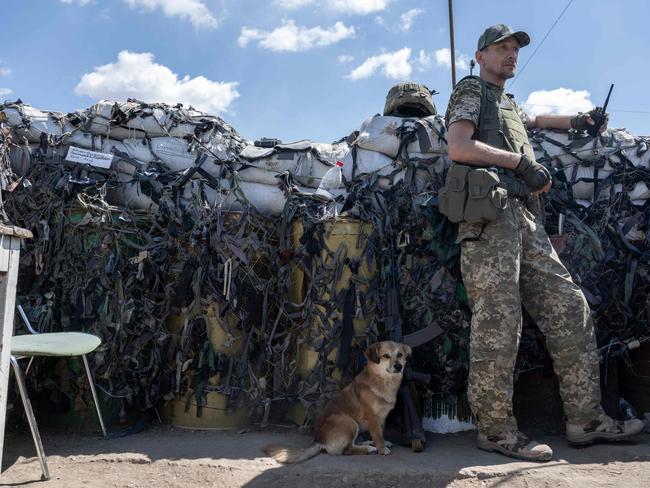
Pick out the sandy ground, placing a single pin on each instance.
(164, 457)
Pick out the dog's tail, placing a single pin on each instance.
(290, 455)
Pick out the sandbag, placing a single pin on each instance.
(384, 135)
(576, 175)
(305, 167)
(133, 120)
(20, 158)
(29, 123)
(367, 162)
(129, 194)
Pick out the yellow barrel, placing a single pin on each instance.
(352, 234)
(214, 415)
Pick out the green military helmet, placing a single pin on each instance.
(409, 99)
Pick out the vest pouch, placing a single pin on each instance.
(453, 196)
(485, 200)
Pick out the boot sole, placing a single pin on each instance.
(591, 437)
(491, 447)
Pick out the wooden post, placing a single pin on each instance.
(9, 260)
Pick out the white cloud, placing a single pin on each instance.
(345, 58)
(78, 2)
(105, 15)
(359, 7)
(561, 101)
(4, 71)
(137, 75)
(292, 4)
(423, 62)
(443, 58)
(407, 18)
(379, 20)
(395, 65)
(5, 91)
(193, 10)
(292, 37)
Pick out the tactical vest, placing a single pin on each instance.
(500, 126)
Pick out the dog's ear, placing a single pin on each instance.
(372, 353)
(407, 351)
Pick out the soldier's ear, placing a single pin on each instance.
(372, 353)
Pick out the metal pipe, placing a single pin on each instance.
(451, 42)
(91, 381)
(29, 412)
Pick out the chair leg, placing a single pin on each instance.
(91, 381)
(22, 388)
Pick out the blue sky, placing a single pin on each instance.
(314, 69)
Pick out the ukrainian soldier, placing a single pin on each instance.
(507, 259)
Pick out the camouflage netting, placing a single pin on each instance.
(190, 222)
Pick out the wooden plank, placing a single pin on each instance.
(5, 244)
(8, 283)
(12, 230)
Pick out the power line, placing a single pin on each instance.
(540, 44)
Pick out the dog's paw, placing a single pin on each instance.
(385, 451)
(388, 443)
(372, 449)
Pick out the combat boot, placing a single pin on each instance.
(603, 428)
(515, 444)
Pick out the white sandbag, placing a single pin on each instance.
(267, 199)
(305, 167)
(20, 158)
(437, 161)
(584, 189)
(132, 119)
(367, 162)
(85, 140)
(134, 148)
(639, 192)
(99, 120)
(331, 153)
(173, 152)
(383, 134)
(129, 194)
(30, 122)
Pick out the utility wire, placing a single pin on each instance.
(540, 44)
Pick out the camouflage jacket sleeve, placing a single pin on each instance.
(465, 102)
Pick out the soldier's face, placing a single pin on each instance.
(500, 59)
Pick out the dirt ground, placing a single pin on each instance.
(165, 457)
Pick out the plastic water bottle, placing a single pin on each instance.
(330, 181)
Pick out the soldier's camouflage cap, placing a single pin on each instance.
(499, 32)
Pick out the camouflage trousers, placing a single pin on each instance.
(509, 264)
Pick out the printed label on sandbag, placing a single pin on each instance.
(84, 156)
(172, 148)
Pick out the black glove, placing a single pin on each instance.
(580, 121)
(534, 174)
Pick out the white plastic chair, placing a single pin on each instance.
(61, 344)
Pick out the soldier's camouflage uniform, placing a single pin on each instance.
(507, 263)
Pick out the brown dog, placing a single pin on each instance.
(362, 405)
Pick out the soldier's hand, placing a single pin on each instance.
(534, 174)
(546, 189)
(584, 121)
